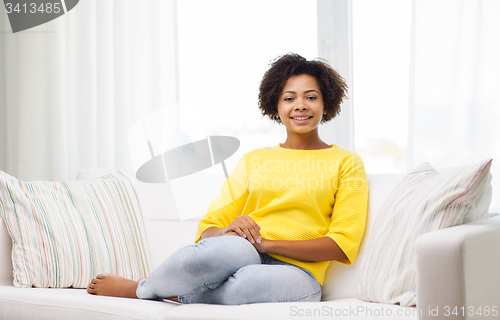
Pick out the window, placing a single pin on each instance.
(381, 62)
(223, 56)
(224, 48)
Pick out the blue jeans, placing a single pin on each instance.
(227, 270)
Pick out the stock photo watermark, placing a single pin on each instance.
(307, 174)
(358, 311)
(309, 165)
(384, 312)
(309, 184)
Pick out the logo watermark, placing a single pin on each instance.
(28, 14)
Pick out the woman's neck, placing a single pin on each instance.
(304, 142)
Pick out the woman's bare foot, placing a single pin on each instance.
(174, 298)
(112, 285)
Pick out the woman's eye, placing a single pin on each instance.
(288, 99)
(312, 98)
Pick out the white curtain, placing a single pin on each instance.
(71, 88)
(99, 85)
(426, 84)
(455, 84)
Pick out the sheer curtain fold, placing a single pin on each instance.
(426, 77)
(107, 114)
(455, 83)
(71, 88)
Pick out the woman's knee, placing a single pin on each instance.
(231, 247)
(240, 246)
(226, 252)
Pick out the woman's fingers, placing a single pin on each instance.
(245, 227)
(240, 232)
(251, 230)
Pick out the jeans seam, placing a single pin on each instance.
(193, 292)
(184, 297)
(269, 258)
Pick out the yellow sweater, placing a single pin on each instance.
(297, 195)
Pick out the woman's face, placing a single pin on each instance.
(300, 105)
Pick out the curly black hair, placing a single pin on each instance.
(332, 85)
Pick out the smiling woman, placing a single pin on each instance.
(270, 234)
(303, 93)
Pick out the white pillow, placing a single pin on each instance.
(423, 201)
(65, 233)
(480, 208)
(161, 219)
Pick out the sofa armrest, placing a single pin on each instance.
(460, 267)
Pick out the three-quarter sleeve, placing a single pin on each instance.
(350, 208)
(229, 204)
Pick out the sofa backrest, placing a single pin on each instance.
(341, 280)
(166, 236)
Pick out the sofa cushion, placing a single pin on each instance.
(5, 259)
(75, 304)
(423, 201)
(65, 233)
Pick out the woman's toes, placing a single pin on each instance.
(112, 285)
(103, 275)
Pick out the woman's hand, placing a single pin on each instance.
(245, 227)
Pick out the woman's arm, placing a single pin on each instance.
(226, 207)
(321, 249)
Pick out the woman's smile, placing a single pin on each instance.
(301, 120)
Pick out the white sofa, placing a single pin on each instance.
(458, 266)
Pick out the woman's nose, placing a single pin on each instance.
(301, 107)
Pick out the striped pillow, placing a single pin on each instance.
(423, 201)
(65, 233)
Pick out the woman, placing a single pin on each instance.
(283, 214)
